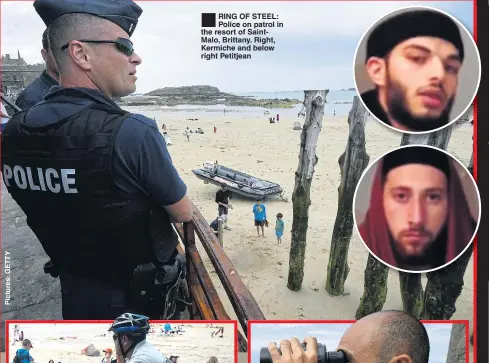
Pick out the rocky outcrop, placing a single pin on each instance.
(202, 95)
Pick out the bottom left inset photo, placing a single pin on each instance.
(133, 337)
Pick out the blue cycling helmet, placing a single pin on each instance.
(131, 324)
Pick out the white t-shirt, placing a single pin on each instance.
(145, 352)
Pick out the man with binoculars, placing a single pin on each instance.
(384, 337)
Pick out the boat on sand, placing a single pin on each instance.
(238, 182)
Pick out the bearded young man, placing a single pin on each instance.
(418, 217)
(414, 60)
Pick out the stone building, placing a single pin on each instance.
(457, 344)
(17, 74)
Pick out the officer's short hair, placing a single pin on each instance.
(400, 333)
(70, 27)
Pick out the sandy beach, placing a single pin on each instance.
(248, 142)
(194, 345)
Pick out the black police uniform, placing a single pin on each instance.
(97, 236)
(35, 91)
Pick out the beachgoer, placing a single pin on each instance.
(219, 332)
(21, 335)
(222, 198)
(23, 353)
(51, 361)
(130, 332)
(107, 355)
(16, 335)
(213, 359)
(105, 198)
(174, 358)
(277, 118)
(260, 216)
(164, 129)
(187, 133)
(279, 228)
(37, 89)
(215, 129)
(215, 224)
(415, 69)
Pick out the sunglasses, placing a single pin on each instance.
(122, 44)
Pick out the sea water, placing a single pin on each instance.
(339, 102)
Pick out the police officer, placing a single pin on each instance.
(40, 87)
(93, 180)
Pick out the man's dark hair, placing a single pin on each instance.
(136, 338)
(400, 333)
(45, 40)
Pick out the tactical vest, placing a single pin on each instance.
(61, 176)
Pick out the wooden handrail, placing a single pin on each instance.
(202, 289)
(240, 297)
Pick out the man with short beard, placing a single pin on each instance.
(418, 217)
(414, 60)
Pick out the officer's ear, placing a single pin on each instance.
(404, 358)
(44, 54)
(81, 54)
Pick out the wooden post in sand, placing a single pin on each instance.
(444, 287)
(376, 273)
(220, 231)
(411, 284)
(352, 163)
(315, 107)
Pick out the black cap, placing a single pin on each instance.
(124, 13)
(416, 155)
(410, 24)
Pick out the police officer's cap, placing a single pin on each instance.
(124, 13)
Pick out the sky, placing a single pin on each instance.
(314, 50)
(330, 334)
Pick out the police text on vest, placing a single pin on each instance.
(55, 181)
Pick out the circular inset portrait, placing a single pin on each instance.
(417, 209)
(417, 70)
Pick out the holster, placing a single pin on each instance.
(163, 286)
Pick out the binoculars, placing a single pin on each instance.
(323, 355)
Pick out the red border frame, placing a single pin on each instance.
(234, 323)
(265, 322)
(475, 174)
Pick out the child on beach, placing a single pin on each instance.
(279, 228)
(260, 217)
